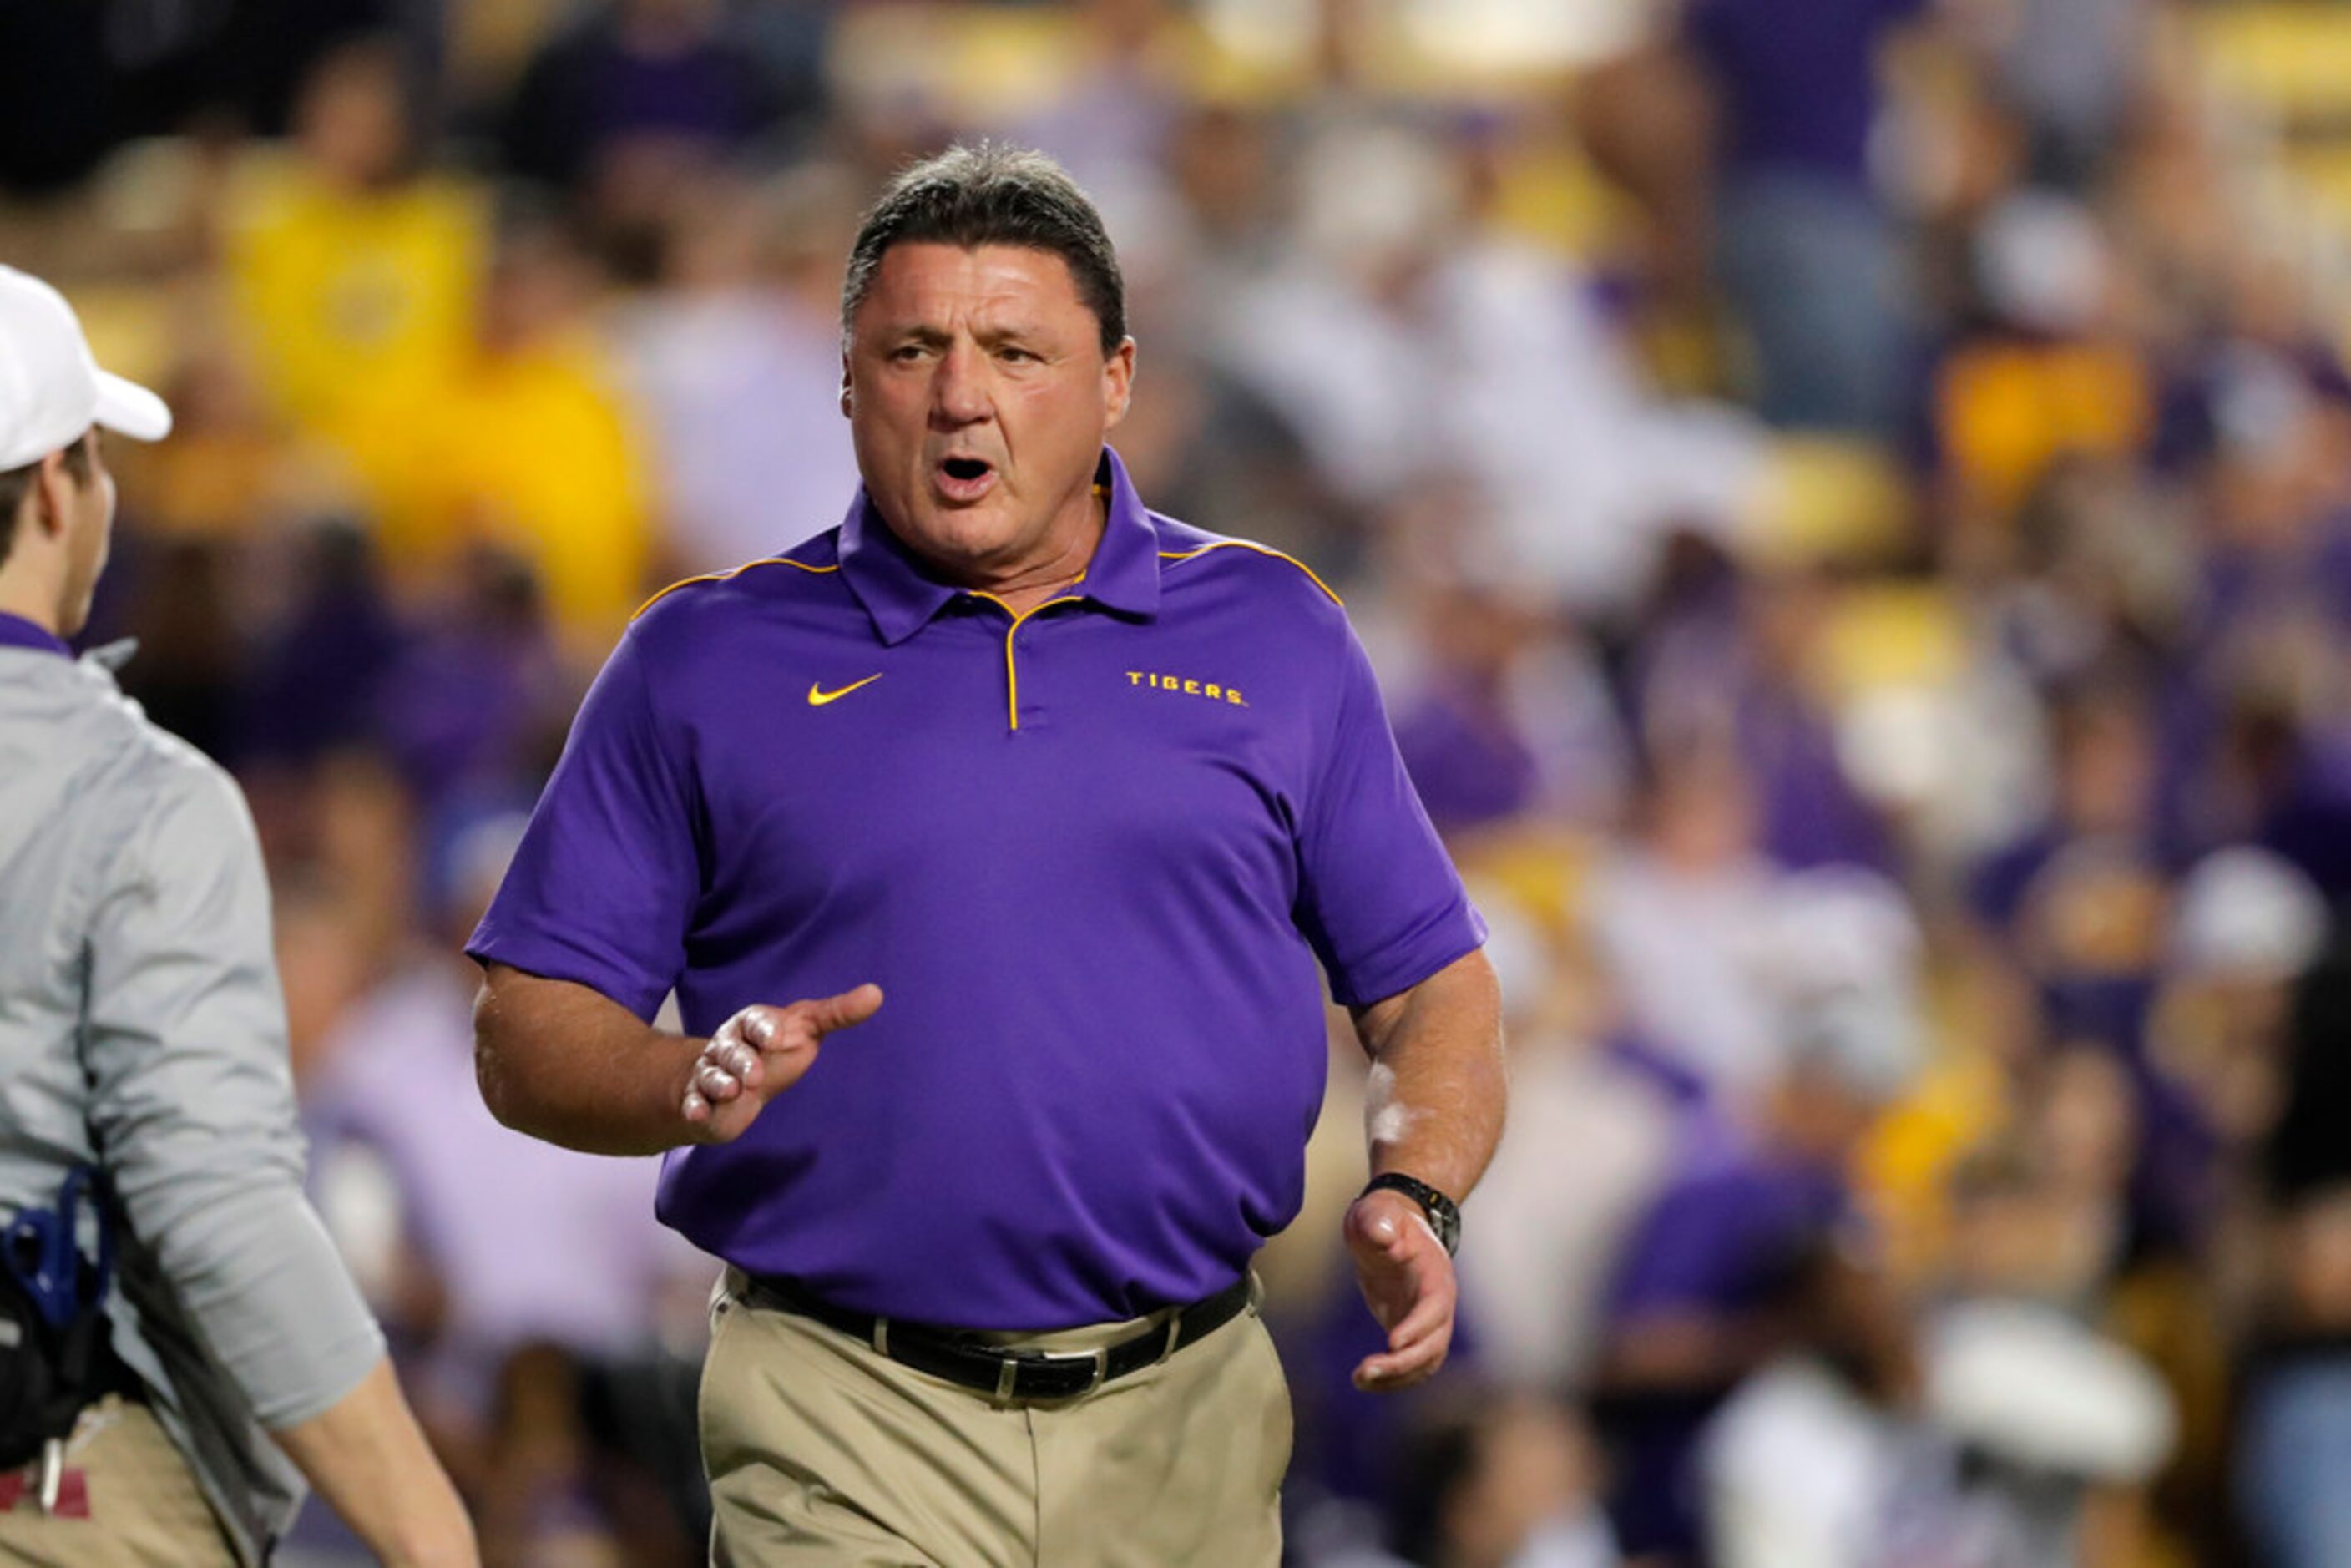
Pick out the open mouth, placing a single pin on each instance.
(965, 478)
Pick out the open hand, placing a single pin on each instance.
(1407, 1281)
(760, 1052)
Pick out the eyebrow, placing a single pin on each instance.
(933, 337)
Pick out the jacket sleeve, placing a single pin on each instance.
(192, 1100)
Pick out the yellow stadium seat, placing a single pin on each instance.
(1891, 634)
(1826, 499)
(2323, 175)
(2292, 60)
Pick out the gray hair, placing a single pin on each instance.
(991, 193)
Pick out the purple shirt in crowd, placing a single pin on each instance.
(1728, 1236)
(1799, 82)
(1091, 854)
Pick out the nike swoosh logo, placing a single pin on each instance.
(819, 696)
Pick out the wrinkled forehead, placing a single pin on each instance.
(931, 285)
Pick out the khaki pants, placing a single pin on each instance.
(822, 1451)
(130, 1501)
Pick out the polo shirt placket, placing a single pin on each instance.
(1017, 621)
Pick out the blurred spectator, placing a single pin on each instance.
(1755, 1234)
(639, 96)
(1507, 716)
(2245, 928)
(1678, 911)
(2297, 1419)
(553, 1491)
(230, 472)
(1591, 1138)
(524, 447)
(317, 681)
(1112, 128)
(1510, 1482)
(476, 701)
(1803, 1465)
(502, 1221)
(1406, 341)
(2104, 808)
(2074, 69)
(354, 264)
(1807, 251)
(1732, 660)
(2056, 1429)
(2297, 1399)
(1821, 1461)
(2042, 372)
(736, 364)
(182, 599)
(2041, 1228)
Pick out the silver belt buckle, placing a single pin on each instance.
(1009, 1372)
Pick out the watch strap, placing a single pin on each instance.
(1444, 1214)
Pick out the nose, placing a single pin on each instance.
(959, 391)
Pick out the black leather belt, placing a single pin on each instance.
(1013, 1375)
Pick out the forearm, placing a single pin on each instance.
(561, 1063)
(1433, 1105)
(367, 1456)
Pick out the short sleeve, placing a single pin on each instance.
(1379, 900)
(603, 885)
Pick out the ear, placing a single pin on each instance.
(1118, 383)
(53, 493)
(844, 384)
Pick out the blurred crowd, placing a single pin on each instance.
(1851, 503)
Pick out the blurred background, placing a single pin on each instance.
(1851, 501)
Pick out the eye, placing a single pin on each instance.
(1016, 356)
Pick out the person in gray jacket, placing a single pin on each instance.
(143, 1043)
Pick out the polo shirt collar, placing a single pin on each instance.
(901, 596)
(1125, 573)
(16, 632)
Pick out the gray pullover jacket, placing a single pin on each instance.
(141, 1028)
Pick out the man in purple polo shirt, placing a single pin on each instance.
(1086, 793)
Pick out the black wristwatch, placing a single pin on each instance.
(1444, 1214)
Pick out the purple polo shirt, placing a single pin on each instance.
(1091, 855)
(16, 632)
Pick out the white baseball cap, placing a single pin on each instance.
(51, 389)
